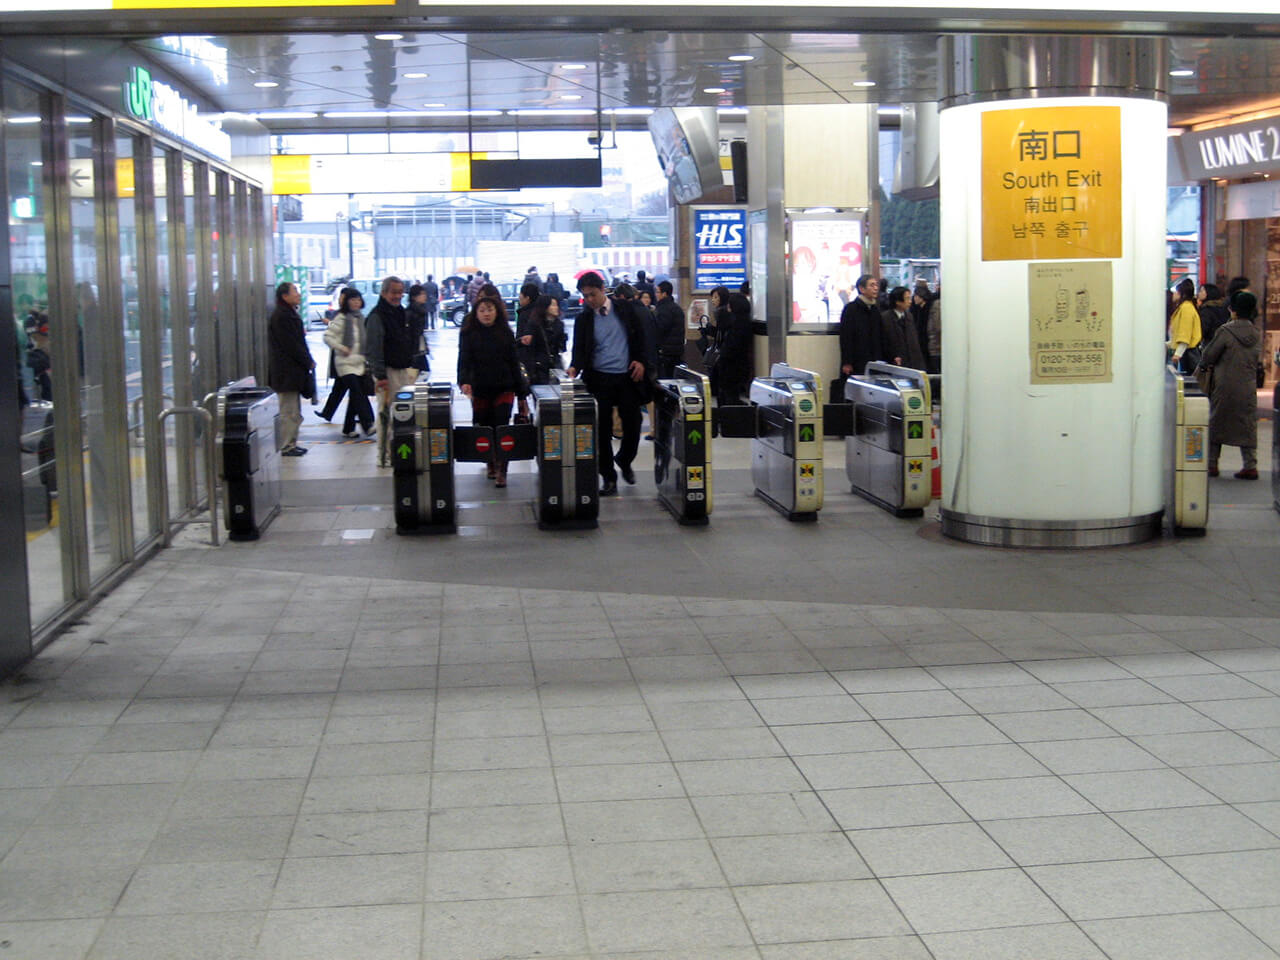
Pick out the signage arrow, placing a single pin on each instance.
(79, 177)
(806, 432)
(403, 451)
(695, 436)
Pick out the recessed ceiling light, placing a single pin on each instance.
(37, 163)
(434, 105)
(1182, 73)
(864, 83)
(416, 76)
(573, 66)
(570, 96)
(284, 115)
(741, 58)
(388, 36)
(266, 84)
(714, 90)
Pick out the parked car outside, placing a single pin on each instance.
(454, 309)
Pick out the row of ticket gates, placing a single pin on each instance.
(886, 421)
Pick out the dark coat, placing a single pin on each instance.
(584, 343)
(733, 336)
(1213, 314)
(487, 360)
(669, 319)
(535, 355)
(899, 340)
(289, 362)
(860, 335)
(1233, 397)
(394, 338)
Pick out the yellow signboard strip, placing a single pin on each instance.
(1051, 184)
(290, 174)
(209, 4)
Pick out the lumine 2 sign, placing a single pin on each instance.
(160, 104)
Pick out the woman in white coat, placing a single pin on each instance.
(346, 338)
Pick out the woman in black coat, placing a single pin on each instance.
(489, 373)
(733, 335)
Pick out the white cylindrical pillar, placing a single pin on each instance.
(1053, 242)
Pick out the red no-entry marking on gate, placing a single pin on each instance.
(507, 443)
(482, 444)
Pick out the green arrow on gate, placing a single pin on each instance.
(695, 435)
(806, 432)
(404, 451)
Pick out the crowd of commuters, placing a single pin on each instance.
(897, 325)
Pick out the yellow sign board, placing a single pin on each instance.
(301, 174)
(1051, 185)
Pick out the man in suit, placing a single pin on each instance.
(898, 332)
(860, 326)
(610, 352)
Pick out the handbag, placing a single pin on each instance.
(711, 357)
(1204, 377)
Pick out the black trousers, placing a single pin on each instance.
(615, 390)
(358, 407)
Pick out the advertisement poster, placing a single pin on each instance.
(1070, 311)
(1051, 184)
(826, 259)
(719, 248)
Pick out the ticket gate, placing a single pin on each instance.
(1186, 511)
(568, 475)
(785, 422)
(682, 446)
(248, 456)
(422, 458)
(888, 454)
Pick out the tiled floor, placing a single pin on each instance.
(756, 740)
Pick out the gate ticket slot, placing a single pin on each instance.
(422, 459)
(565, 438)
(888, 451)
(248, 459)
(1186, 511)
(682, 447)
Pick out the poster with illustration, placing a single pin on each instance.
(1070, 321)
(825, 261)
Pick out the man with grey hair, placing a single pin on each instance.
(393, 341)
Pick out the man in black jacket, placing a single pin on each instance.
(670, 322)
(898, 332)
(393, 341)
(860, 328)
(609, 351)
(289, 365)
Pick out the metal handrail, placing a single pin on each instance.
(136, 424)
(211, 472)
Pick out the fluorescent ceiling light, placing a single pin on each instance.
(741, 58)
(731, 111)
(434, 105)
(284, 115)
(265, 84)
(573, 66)
(629, 111)
(388, 36)
(24, 119)
(378, 114)
(79, 119)
(889, 111)
(864, 83)
(1182, 72)
(37, 163)
(552, 112)
(459, 113)
(570, 96)
(714, 90)
(416, 76)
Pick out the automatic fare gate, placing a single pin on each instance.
(888, 453)
(1186, 511)
(785, 424)
(425, 445)
(682, 447)
(568, 484)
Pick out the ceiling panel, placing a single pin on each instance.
(358, 72)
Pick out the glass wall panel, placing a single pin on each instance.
(29, 266)
(88, 324)
(166, 311)
(131, 320)
(224, 280)
(201, 273)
